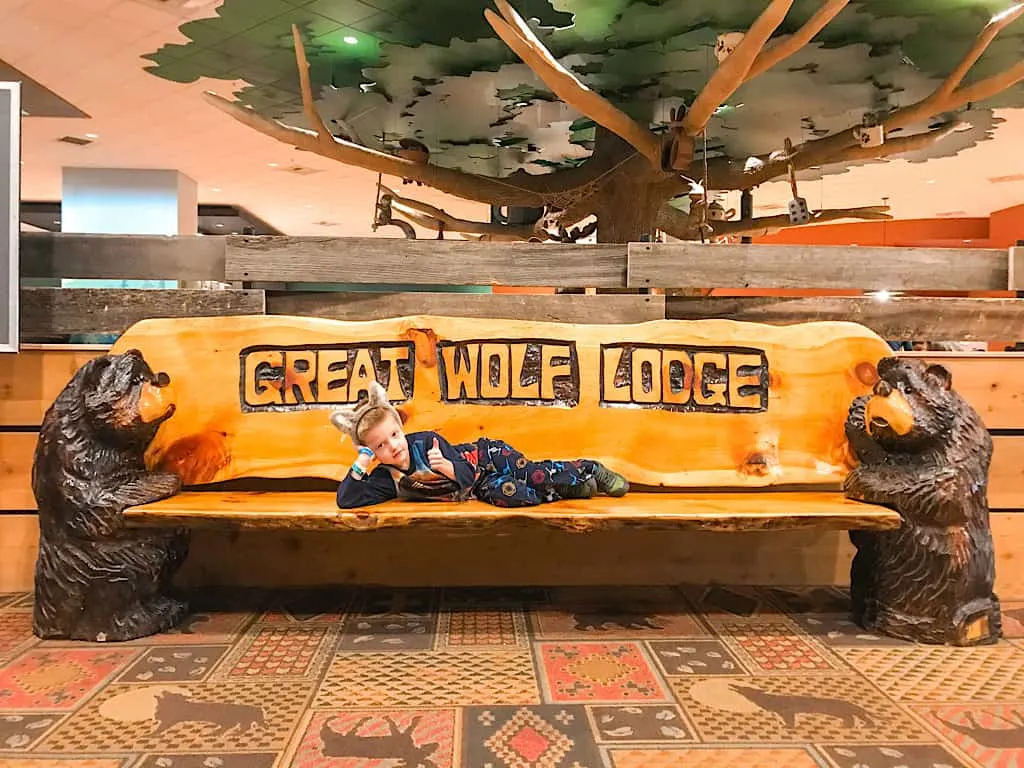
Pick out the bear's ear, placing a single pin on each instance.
(940, 374)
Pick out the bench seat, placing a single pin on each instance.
(712, 510)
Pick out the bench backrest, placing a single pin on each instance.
(667, 402)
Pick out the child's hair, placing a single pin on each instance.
(355, 420)
(371, 418)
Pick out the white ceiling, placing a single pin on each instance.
(89, 53)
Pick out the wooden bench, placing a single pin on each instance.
(764, 412)
(718, 425)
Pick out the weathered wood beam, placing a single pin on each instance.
(1016, 279)
(919, 318)
(121, 257)
(693, 265)
(49, 312)
(425, 262)
(559, 308)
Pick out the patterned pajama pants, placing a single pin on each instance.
(509, 479)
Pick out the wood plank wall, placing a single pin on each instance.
(29, 381)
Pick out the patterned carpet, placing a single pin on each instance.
(561, 678)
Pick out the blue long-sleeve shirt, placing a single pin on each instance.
(419, 482)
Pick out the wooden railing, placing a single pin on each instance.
(255, 271)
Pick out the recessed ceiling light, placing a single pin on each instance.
(272, 165)
(930, 181)
(215, 189)
(92, 135)
(350, 39)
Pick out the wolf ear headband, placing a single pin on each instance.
(347, 419)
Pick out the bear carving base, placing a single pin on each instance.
(924, 452)
(95, 578)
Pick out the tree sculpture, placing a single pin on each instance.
(631, 110)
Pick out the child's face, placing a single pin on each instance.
(387, 441)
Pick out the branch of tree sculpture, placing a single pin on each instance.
(437, 219)
(520, 38)
(733, 71)
(783, 49)
(946, 97)
(465, 185)
(725, 173)
(844, 146)
(686, 226)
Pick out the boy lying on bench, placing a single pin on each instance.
(423, 466)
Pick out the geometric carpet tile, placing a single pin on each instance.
(772, 645)
(174, 663)
(485, 628)
(892, 756)
(991, 734)
(380, 737)
(212, 759)
(826, 708)
(43, 679)
(397, 631)
(839, 629)
(598, 673)
(214, 628)
(589, 622)
(712, 757)
(15, 632)
(21, 731)
(63, 762)
(695, 657)
(428, 679)
(645, 723)
(941, 674)
(204, 716)
(547, 736)
(277, 653)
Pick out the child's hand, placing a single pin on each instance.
(439, 463)
(365, 457)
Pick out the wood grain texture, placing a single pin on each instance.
(277, 558)
(814, 372)
(57, 311)
(923, 319)
(426, 262)
(430, 558)
(1016, 279)
(16, 451)
(31, 379)
(555, 308)
(991, 382)
(19, 545)
(122, 257)
(692, 265)
(650, 511)
(1006, 474)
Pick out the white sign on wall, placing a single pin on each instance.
(10, 197)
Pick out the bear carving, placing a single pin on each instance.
(97, 579)
(924, 452)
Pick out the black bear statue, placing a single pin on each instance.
(97, 579)
(924, 452)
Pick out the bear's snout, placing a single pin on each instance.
(891, 410)
(156, 401)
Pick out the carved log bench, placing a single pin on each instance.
(718, 425)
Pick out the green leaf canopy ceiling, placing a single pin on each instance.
(435, 71)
